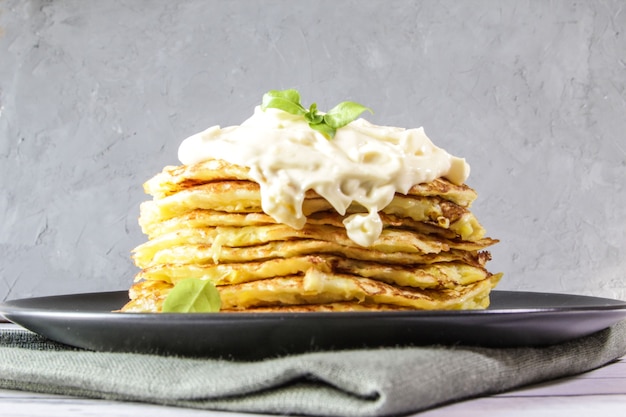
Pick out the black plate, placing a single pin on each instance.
(514, 319)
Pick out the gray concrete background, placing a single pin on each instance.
(95, 97)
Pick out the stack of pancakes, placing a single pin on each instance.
(205, 221)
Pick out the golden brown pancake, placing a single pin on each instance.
(437, 276)
(200, 218)
(391, 240)
(245, 197)
(316, 287)
(177, 178)
(204, 254)
(205, 221)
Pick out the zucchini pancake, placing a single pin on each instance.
(297, 210)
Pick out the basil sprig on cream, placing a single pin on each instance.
(192, 296)
(325, 123)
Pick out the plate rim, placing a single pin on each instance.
(13, 307)
(100, 329)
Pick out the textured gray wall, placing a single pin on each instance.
(95, 97)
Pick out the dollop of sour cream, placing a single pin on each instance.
(364, 164)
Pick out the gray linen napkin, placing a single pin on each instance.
(374, 382)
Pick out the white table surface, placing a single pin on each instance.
(601, 392)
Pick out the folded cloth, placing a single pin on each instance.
(373, 382)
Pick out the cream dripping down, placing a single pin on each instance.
(364, 164)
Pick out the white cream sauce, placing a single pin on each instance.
(364, 163)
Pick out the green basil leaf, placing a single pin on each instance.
(324, 129)
(344, 113)
(327, 124)
(290, 95)
(313, 116)
(192, 296)
(282, 104)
